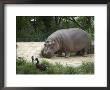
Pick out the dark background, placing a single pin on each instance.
(57, 1)
(38, 28)
(51, 2)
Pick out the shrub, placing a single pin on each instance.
(23, 67)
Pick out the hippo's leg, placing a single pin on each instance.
(85, 52)
(67, 54)
(78, 53)
(59, 53)
(82, 52)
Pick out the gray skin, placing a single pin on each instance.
(65, 40)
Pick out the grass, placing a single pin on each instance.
(23, 67)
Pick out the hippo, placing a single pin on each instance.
(66, 40)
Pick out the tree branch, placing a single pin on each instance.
(76, 22)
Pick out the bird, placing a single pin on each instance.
(39, 66)
(32, 59)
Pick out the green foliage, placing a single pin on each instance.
(86, 68)
(23, 67)
(38, 28)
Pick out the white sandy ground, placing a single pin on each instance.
(28, 49)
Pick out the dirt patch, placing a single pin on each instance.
(28, 49)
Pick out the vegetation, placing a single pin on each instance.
(23, 67)
(38, 28)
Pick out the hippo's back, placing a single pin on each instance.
(72, 39)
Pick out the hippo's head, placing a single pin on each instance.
(50, 47)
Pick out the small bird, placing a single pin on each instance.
(41, 67)
(32, 59)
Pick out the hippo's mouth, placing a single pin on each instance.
(47, 55)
